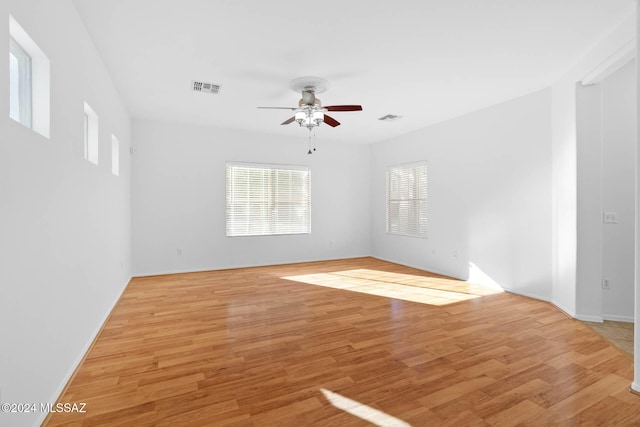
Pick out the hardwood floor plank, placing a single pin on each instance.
(588, 396)
(265, 346)
(515, 415)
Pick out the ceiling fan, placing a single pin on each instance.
(310, 113)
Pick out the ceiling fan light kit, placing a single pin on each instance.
(310, 113)
(309, 117)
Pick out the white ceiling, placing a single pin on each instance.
(425, 60)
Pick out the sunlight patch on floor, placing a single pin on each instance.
(407, 287)
(362, 411)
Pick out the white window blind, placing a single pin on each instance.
(407, 200)
(267, 200)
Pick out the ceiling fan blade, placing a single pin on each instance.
(331, 121)
(277, 108)
(289, 120)
(344, 108)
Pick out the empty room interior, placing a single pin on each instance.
(218, 213)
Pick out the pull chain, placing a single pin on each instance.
(311, 151)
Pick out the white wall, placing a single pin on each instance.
(64, 222)
(179, 198)
(589, 202)
(489, 188)
(606, 134)
(564, 174)
(635, 385)
(619, 118)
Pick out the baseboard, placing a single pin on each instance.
(589, 318)
(600, 319)
(440, 273)
(512, 291)
(593, 318)
(62, 388)
(233, 267)
(616, 318)
(526, 294)
(564, 309)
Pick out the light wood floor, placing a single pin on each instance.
(323, 344)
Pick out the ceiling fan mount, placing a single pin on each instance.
(310, 113)
(315, 84)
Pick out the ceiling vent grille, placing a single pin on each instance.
(389, 118)
(199, 86)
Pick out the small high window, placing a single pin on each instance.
(29, 81)
(90, 134)
(19, 83)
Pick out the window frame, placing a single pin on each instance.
(91, 135)
(86, 135)
(414, 200)
(268, 200)
(24, 86)
(38, 118)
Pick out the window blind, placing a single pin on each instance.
(267, 200)
(407, 200)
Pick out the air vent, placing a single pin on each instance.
(205, 87)
(389, 118)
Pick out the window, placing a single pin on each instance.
(19, 84)
(86, 135)
(268, 200)
(29, 81)
(90, 134)
(407, 200)
(115, 156)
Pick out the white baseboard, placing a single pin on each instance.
(526, 294)
(568, 312)
(616, 318)
(589, 318)
(423, 268)
(594, 318)
(235, 266)
(512, 291)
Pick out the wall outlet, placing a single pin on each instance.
(455, 253)
(606, 284)
(179, 251)
(610, 218)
